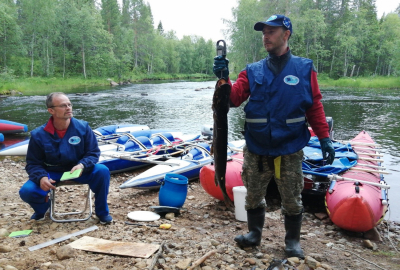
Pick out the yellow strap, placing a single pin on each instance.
(277, 164)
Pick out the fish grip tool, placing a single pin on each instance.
(221, 50)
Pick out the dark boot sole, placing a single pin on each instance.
(244, 243)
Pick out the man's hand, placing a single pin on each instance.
(46, 183)
(327, 148)
(220, 68)
(77, 167)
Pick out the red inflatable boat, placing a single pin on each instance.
(12, 127)
(357, 199)
(232, 176)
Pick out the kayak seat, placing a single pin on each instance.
(106, 130)
(162, 138)
(137, 144)
(122, 139)
(197, 153)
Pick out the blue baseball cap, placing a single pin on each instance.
(275, 20)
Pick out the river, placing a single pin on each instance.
(186, 106)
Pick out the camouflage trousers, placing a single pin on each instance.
(259, 170)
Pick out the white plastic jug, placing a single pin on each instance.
(239, 198)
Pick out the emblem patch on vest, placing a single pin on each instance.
(291, 80)
(74, 140)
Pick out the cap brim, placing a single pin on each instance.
(260, 25)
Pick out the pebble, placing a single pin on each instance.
(65, 252)
(10, 267)
(4, 232)
(170, 216)
(4, 248)
(56, 266)
(211, 227)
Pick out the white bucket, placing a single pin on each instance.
(239, 198)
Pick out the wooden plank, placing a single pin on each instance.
(368, 154)
(139, 250)
(360, 143)
(371, 159)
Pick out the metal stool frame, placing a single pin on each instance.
(88, 203)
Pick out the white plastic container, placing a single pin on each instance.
(239, 198)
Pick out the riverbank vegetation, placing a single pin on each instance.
(78, 43)
(44, 85)
(378, 82)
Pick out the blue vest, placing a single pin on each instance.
(275, 114)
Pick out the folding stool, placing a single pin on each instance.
(88, 203)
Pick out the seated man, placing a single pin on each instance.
(63, 144)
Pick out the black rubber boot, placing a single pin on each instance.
(292, 238)
(255, 223)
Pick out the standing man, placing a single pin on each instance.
(283, 96)
(63, 144)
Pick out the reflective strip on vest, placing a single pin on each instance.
(295, 120)
(261, 120)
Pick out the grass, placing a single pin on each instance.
(40, 85)
(361, 82)
(389, 254)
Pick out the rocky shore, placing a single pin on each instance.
(204, 227)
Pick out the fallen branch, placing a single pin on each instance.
(157, 255)
(202, 259)
(355, 254)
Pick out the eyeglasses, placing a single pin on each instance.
(64, 106)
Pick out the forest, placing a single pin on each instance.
(119, 39)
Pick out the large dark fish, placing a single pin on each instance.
(220, 109)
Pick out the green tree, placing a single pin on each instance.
(10, 34)
(312, 27)
(187, 55)
(90, 42)
(388, 52)
(246, 44)
(37, 20)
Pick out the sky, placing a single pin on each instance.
(204, 17)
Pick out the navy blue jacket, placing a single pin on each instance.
(275, 114)
(47, 152)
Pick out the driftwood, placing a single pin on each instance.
(157, 255)
(202, 259)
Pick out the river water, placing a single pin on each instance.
(186, 106)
